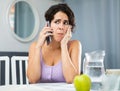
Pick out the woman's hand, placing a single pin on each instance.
(67, 36)
(46, 31)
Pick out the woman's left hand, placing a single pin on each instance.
(67, 36)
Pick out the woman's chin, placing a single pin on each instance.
(58, 40)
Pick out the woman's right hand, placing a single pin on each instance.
(43, 34)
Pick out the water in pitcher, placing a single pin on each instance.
(93, 65)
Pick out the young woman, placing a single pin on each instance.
(59, 59)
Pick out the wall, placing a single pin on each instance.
(7, 41)
(98, 27)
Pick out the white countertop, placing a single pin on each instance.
(39, 87)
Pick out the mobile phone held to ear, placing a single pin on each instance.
(48, 38)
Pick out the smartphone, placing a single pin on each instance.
(48, 38)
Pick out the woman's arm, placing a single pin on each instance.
(71, 56)
(71, 60)
(34, 67)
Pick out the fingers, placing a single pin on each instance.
(48, 34)
(46, 30)
(67, 36)
(69, 33)
(47, 24)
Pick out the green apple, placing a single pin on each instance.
(82, 82)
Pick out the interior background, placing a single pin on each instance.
(97, 27)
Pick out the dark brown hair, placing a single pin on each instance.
(49, 14)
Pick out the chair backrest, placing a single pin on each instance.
(4, 70)
(18, 69)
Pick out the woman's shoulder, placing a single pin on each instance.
(33, 44)
(74, 42)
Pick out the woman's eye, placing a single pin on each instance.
(57, 22)
(66, 23)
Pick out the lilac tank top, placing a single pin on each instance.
(51, 73)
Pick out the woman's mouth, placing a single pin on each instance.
(60, 34)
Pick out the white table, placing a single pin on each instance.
(39, 87)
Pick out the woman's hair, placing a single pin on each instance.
(49, 14)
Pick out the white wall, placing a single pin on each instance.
(7, 41)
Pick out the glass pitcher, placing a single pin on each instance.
(93, 65)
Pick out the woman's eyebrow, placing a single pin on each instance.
(66, 20)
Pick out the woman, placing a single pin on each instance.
(59, 59)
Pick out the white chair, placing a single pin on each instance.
(18, 69)
(4, 66)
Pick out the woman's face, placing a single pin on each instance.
(60, 25)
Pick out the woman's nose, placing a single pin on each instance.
(61, 26)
